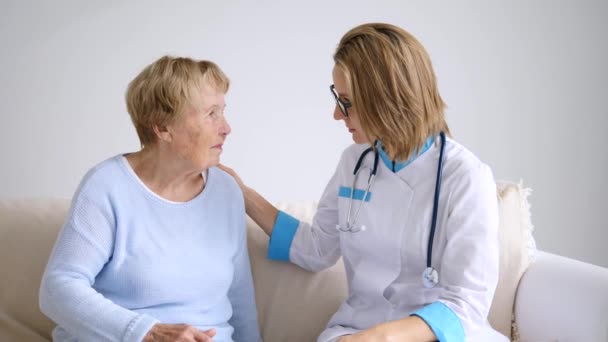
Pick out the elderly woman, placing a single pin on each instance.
(154, 245)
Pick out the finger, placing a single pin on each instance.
(210, 332)
(201, 336)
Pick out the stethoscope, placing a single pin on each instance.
(430, 277)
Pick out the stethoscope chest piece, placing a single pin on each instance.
(430, 277)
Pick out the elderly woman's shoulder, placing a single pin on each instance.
(104, 174)
(224, 179)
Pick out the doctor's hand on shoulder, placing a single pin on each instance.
(257, 207)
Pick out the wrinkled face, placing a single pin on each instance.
(198, 135)
(352, 120)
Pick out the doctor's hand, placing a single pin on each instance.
(370, 335)
(234, 175)
(257, 207)
(178, 333)
(412, 328)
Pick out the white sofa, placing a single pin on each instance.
(550, 297)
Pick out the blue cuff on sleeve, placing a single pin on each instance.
(443, 321)
(282, 234)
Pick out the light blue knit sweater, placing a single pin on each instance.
(127, 259)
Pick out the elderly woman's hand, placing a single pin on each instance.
(178, 333)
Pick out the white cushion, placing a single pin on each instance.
(517, 249)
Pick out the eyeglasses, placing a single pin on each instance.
(344, 105)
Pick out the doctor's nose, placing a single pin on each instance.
(338, 115)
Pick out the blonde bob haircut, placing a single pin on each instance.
(392, 85)
(165, 89)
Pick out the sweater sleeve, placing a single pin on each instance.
(83, 247)
(244, 317)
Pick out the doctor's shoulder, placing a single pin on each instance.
(351, 154)
(461, 164)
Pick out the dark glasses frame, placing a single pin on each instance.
(344, 105)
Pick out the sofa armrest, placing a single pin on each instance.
(561, 299)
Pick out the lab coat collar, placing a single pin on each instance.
(397, 166)
(423, 166)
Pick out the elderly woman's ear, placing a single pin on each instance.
(162, 133)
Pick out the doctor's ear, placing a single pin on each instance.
(163, 134)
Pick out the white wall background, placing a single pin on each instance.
(525, 81)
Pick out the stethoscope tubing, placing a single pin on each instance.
(429, 252)
(429, 273)
(350, 225)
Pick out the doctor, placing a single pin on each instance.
(409, 279)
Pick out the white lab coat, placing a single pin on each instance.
(384, 263)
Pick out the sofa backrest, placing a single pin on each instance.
(28, 229)
(293, 305)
